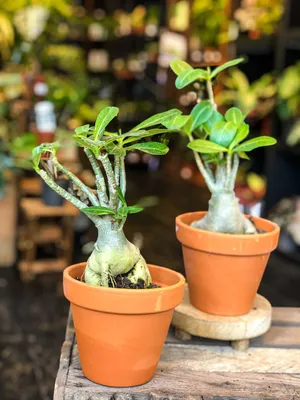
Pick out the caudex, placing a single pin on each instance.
(113, 254)
(218, 143)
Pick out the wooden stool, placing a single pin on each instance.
(190, 321)
(40, 229)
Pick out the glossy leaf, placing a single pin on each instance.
(98, 210)
(223, 133)
(252, 144)
(215, 117)
(187, 128)
(134, 136)
(104, 117)
(242, 133)
(205, 146)
(82, 129)
(157, 119)
(121, 196)
(187, 77)
(134, 209)
(228, 64)
(154, 148)
(201, 113)
(178, 122)
(243, 155)
(118, 151)
(234, 115)
(179, 66)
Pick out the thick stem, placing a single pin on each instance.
(113, 194)
(93, 199)
(224, 215)
(117, 169)
(234, 172)
(67, 196)
(228, 171)
(100, 181)
(113, 255)
(123, 176)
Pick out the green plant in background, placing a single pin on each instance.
(289, 92)
(209, 21)
(106, 206)
(257, 99)
(218, 150)
(259, 16)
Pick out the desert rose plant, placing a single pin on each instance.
(218, 142)
(106, 206)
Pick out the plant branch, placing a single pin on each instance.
(228, 171)
(209, 171)
(210, 183)
(234, 172)
(93, 199)
(210, 93)
(123, 176)
(117, 169)
(100, 181)
(66, 195)
(112, 185)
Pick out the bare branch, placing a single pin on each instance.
(66, 195)
(210, 93)
(123, 176)
(113, 194)
(234, 172)
(228, 170)
(117, 169)
(100, 181)
(93, 199)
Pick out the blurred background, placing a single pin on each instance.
(61, 62)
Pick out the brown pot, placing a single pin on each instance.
(121, 332)
(223, 270)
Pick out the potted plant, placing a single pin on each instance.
(225, 252)
(121, 307)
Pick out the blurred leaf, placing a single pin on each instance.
(228, 64)
(189, 76)
(252, 144)
(178, 122)
(154, 148)
(205, 146)
(134, 209)
(243, 155)
(82, 129)
(242, 133)
(98, 210)
(179, 66)
(157, 119)
(234, 115)
(41, 149)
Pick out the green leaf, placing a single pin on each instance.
(178, 122)
(228, 64)
(82, 129)
(103, 119)
(179, 66)
(121, 196)
(154, 148)
(252, 144)
(234, 115)
(215, 117)
(157, 119)
(242, 133)
(187, 128)
(98, 210)
(134, 136)
(41, 149)
(243, 155)
(205, 146)
(189, 76)
(223, 133)
(201, 113)
(116, 150)
(134, 209)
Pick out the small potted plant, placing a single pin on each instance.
(225, 252)
(121, 307)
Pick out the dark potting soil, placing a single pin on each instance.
(122, 282)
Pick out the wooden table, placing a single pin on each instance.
(203, 369)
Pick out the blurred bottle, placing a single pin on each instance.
(45, 120)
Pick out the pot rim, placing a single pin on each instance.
(125, 301)
(247, 236)
(67, 276)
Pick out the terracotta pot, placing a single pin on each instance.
(223, 270)
(121, 332)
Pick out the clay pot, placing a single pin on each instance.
(121, 332)
(223, 270)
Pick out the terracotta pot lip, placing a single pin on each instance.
(117, 291)
(199, 214)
